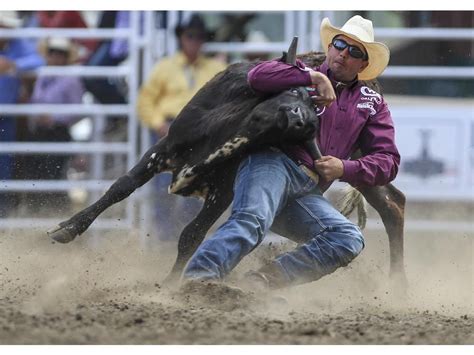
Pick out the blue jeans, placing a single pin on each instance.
(272, 191)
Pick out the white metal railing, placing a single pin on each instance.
(55, 185)
(428, 72)
(60, 148)
(84, 71)
(244, 47)
(47, 223)
(437, 34)
(428, 225)
(84, 33)
(77, 109)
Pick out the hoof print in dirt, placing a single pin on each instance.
(216, 295)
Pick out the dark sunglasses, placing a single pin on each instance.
(354, 51)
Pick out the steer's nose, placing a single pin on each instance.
(296, 117)
(296, 111)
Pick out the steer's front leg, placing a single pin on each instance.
(152, 162)
(218, 199)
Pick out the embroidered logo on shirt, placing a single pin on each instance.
(370, 95)
(313, 92)
(319, 110)
(367, 105)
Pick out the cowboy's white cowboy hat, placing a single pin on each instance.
(9, 19)
(361, 30)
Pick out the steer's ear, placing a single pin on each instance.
(290, 56)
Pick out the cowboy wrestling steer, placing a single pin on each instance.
(205, 145)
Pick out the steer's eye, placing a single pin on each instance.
(294, 91)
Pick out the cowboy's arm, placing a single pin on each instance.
(273, 76)
(381, 159)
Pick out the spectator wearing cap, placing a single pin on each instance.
(68, 19)
(173, 82)
(175, 79)
(53, 127)
(17, 56)
(57, 89)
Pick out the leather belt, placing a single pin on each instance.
(311, 174)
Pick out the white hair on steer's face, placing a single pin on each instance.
(227, 149)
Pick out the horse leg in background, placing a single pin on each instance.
(218, 199)
(389, 202)
(152, 162)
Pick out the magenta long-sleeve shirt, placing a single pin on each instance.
(358, 119)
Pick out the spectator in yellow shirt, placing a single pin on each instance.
(173, 82)
(175, 79)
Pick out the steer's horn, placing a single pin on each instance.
(290, 56)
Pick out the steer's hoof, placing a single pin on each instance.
(61, 234)
(172, 280)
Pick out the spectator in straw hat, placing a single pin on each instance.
(17, 56)
(57, 89)
(271, 188)
(68, 19)
(53, 127)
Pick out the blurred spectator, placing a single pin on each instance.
(68, 19)
(256, 36)
(119, 46)
(16, 56)
(53, 128)
(29, 18)
(233, 27)
(175, 80)
(109, 53)
(172, 83)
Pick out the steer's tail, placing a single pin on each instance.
(351, 200)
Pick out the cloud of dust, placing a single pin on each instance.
(44, 276)
(439, 270)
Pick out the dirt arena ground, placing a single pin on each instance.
(110, 291)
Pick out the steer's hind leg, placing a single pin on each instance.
(217, 201)
(390, 204)
(152, 162)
